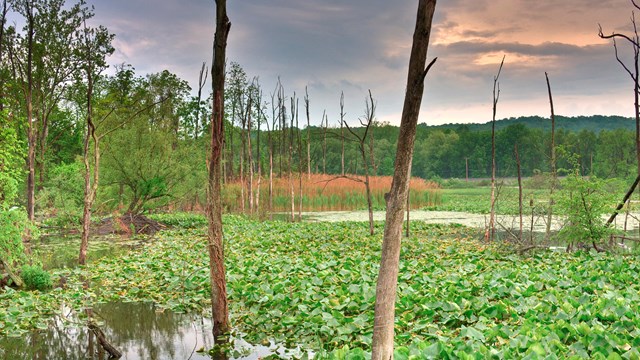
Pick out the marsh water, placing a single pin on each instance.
(139, 330)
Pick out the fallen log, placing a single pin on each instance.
(102, 340)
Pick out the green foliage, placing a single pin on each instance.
(182, 220)
(13, 223)
(11, 161)
(476, 199)
(584, 201)
(35, 278)
(63, 190)
(292, 283)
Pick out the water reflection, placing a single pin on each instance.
(138, 330)
(62, 251)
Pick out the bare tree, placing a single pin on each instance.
(382, 346)
(342, 130)
(294, 111)
(515, 150)
(634, 41)
(274, 122)
(554, 172)
(202, 79)
(306, 105)
(95, 47)
(299, 139)
(249, 150)
(219, 308)
(259, 117)
(324, 142)
(496, 96)
(370, 111)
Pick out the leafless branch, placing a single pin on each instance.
(336, 178)
(426, 71)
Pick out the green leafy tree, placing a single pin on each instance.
(584, 201)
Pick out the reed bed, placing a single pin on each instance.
(326, 193)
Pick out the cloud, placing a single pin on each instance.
(333, 46)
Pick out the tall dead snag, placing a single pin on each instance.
(299, 138)
(515, 150)
(554, 172)
(202, 79)
(362, 141)
(382, 346)
(634, 41)
(219, 309)
(492, 215)
(259, 118)
(306, 105)
(270, 140)
(324, 141)
(342, 131)
(294, 111)
(249, 151)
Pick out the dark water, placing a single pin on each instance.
(61, 251)
(138, 330)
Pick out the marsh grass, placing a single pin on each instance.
(330, 193)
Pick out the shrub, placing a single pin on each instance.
(13, 223)
(36, 278)
(584, 201)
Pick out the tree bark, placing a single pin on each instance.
(554, 173)
(515, 150)
(89, 188)
(291, 187)
(306, 102)
(492, 215)
(249, 155)
(383, 330)
(31, 136)
(341, 130)
(219, 308)
(324, 143)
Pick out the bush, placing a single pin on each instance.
(13, 224)
(584, 201)
(35, 278)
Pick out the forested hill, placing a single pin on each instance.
(595, 123)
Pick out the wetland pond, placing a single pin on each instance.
(138, 330)
(142, 330)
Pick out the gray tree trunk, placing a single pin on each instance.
(383, 330)
(219, 308)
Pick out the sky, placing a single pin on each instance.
(333, 46)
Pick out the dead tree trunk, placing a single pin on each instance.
(31, 131)
(249, 155)
(341, 131)
(259, 118)
(290, 164)
(202, 79)
(492, 216)
(362, 141)
(382, 346)
(515, 150)
(554, 173)
(306, 103)
(324, 142)
(271, 146)
(299, 137)
(89, 188)
(634, 41)
(219, 308)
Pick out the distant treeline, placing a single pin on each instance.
(604, 146)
